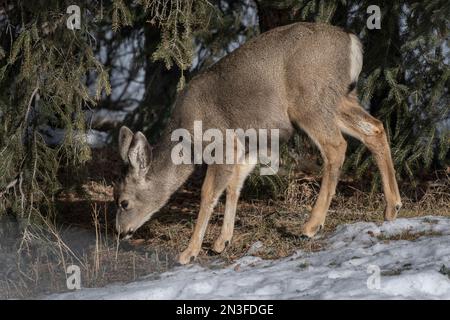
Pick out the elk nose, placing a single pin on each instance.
(127, 235)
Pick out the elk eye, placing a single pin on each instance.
(124, 204)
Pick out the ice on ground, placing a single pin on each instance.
(360, 262)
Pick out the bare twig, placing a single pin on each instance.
(9, 186)
(30, 102)
(22, 195)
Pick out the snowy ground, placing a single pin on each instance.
(348, 268)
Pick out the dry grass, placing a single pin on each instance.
(276, 223)
(86, 212)
(37, 260)
(408, 235)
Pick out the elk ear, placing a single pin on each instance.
(140, 152)
(125, 138)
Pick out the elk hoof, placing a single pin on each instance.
(186, 257)
(220, 245)
(304, 237)
(309, 232)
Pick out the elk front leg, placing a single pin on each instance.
(217, 178)
(240, 173)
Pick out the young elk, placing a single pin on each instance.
(300, 75)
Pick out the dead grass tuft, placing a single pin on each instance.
(408, 235)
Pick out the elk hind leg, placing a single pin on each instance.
(355, 121)
(332, 145)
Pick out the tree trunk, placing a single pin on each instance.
(160, 87)
(271, 17)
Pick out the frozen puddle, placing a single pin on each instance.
(359, 263)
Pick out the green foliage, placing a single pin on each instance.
(121, 15)
(405, 84)
(50, 76)
(42, 70)
(177, 20)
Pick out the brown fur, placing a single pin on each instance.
(296, 75)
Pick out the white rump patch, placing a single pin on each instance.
(356, 57)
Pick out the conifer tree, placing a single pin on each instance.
(50, 75)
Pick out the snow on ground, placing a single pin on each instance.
(346, 269)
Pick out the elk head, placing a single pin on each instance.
(141, 191)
